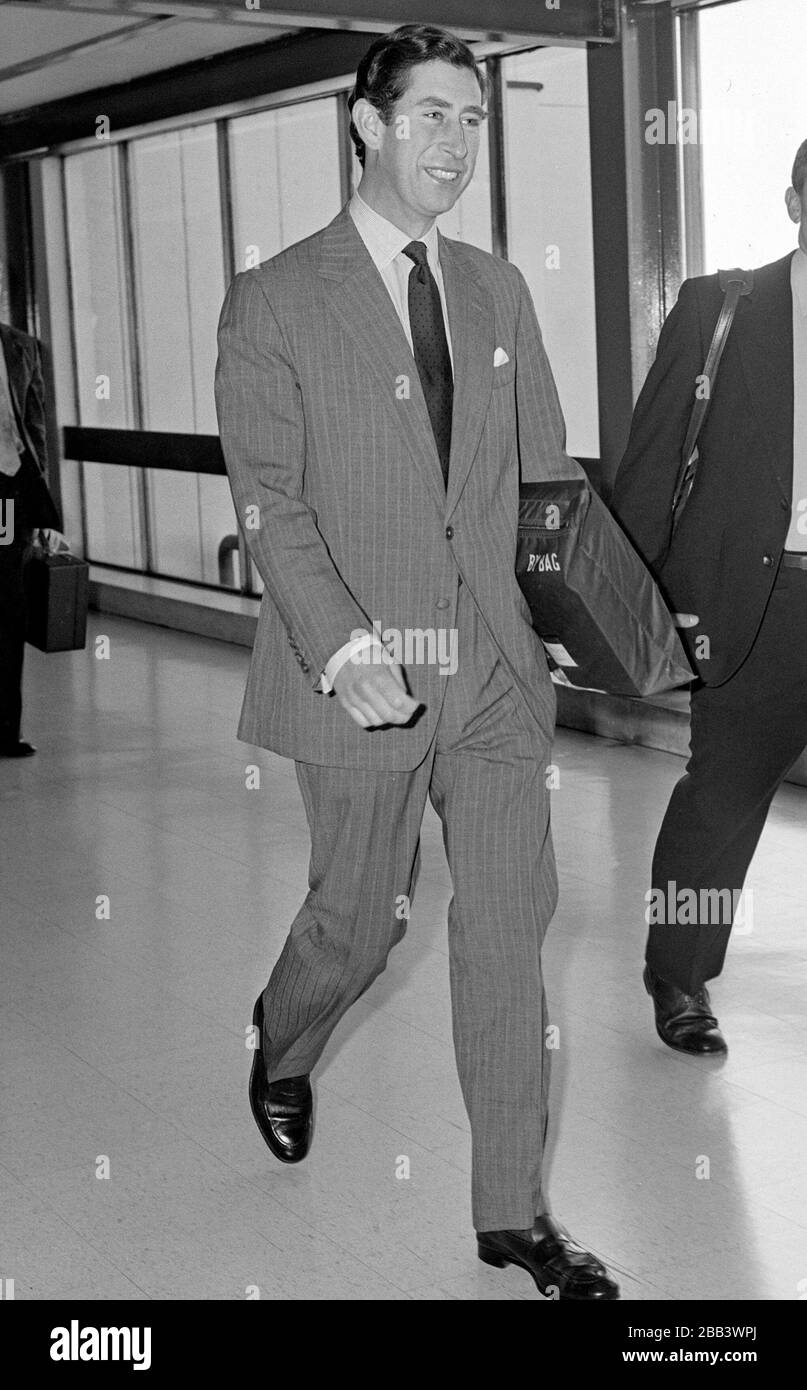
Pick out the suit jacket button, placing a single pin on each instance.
(767, 559)
(305, 666)
(449, 532)
(442, 603)
(784, 505)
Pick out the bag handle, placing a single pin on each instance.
(734, 284)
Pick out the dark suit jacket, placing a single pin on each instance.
(727, 548)
(28, 402)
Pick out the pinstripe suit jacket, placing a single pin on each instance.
(336, 480)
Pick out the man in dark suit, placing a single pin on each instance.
(737, 574)
(25, 503)
(379, 390)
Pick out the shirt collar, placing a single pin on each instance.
(383, 239)
(798, 280)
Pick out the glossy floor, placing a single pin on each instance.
(123, 1031)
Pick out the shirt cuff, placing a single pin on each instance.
(352, 648)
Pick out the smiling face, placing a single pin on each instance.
(417, 166)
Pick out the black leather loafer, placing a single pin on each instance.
(561, 1268)
(18, 749)
(283, 1110)
(684, 1021)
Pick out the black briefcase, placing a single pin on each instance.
(593, 602)
(57, 589)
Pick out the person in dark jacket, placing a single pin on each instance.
(25, 503)
(736, 574)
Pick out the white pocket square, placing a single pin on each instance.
(500, 357)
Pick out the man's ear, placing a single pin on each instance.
(793, 204)
(368, 123)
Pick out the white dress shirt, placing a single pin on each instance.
(796, 538)
(385, 243)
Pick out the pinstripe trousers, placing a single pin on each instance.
(485, 774)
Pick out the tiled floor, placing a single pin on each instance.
(123, 1036)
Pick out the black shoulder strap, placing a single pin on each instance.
(734, 284)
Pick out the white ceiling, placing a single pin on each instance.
(69, 51)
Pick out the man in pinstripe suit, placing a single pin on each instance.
(380, 390)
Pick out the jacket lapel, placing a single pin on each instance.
(764, 334)
(359, 298)
(470, 318)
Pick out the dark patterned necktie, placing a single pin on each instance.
(430, 346)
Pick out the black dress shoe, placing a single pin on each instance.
(684, 1021)
(561, 1268)
(283, 1110)
(17, 749)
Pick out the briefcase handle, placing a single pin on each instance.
(734, 284)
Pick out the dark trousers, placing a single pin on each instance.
(12, 612)
(745, 736)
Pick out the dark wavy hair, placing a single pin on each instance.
(799, 175)
(382, 76)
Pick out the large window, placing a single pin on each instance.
(549, 221)
(179, 285)
(150, 260)
(753, 78)
(102, 348)
(285, 177)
